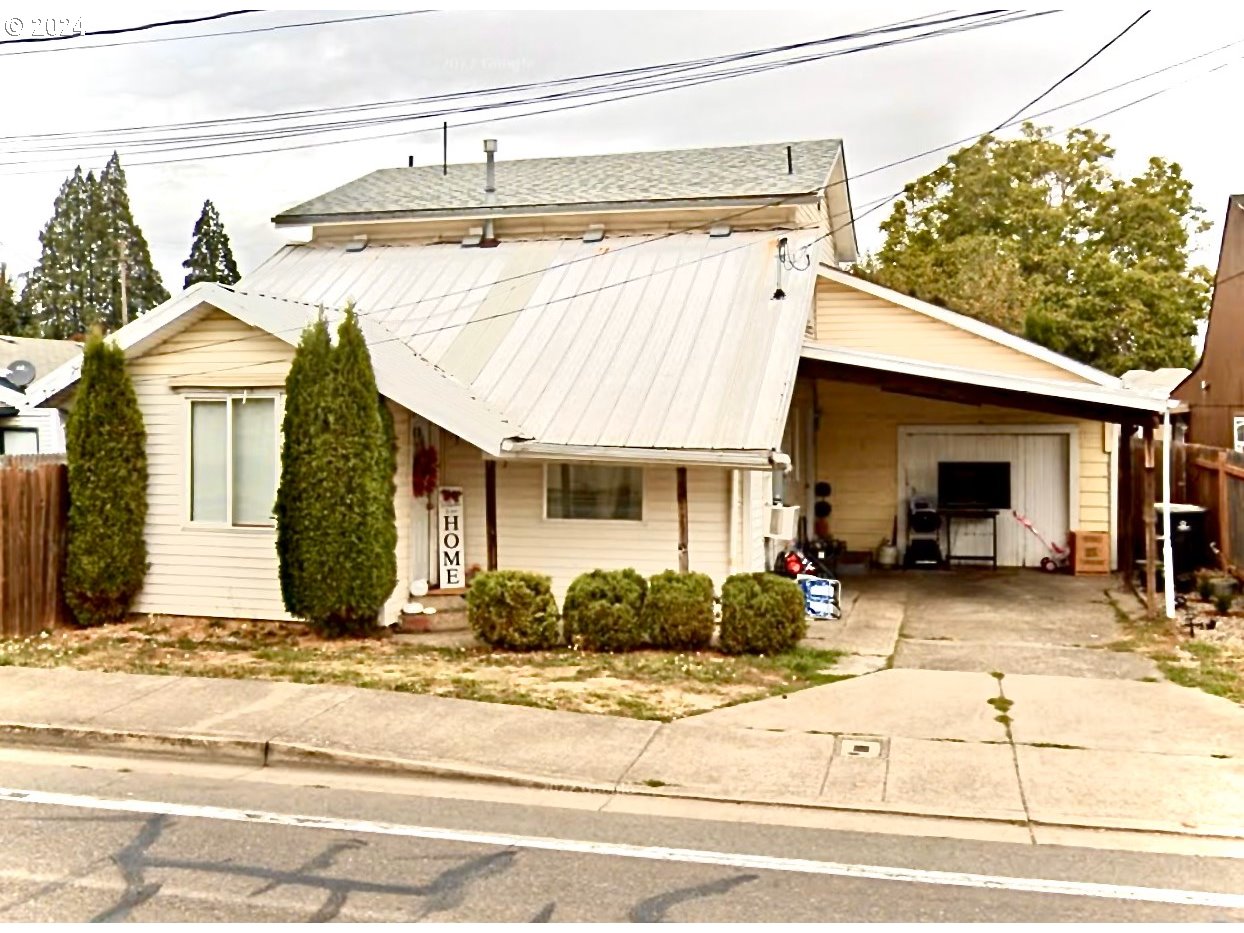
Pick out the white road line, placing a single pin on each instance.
(653, 853)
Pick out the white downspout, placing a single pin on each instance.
(735, 530)
(1168, 559)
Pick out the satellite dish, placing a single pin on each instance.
(21, 373)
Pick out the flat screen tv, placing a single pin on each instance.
(974, 485)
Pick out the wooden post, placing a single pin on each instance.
(1126, 505)
(490, 510)
(1224, 512)
(1148, 491)
(684, 558)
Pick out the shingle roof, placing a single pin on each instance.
(671, 176)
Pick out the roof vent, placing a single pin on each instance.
(475, 236)
(358, 244)
(719, 230)
(594, 233)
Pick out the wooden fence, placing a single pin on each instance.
(1206, 476)
(34, 511)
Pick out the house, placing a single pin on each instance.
(25, 429)
(1213, 393)
(619, 360)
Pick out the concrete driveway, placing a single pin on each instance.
(973, 620)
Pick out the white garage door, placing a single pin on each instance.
(1040, 465)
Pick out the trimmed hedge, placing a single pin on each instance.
(106, 446)
(678, 612)
(604, 611)
(513, 609)
(761, 613)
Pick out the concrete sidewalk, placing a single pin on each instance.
(1080, 752)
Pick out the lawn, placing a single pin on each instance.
(640, 685)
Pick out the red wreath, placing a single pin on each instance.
(423, 471)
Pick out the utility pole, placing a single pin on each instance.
(125, 275)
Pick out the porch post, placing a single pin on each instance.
(1126, 506)
(1148, 493)
(684, 558)
(490, 510)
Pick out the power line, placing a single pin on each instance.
(656, 86)
(1073, 72)
(128, 29)
(636, 71)
(208, 35)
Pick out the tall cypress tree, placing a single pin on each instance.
(336, 528)
(307, 422)
(144, 287)
(106, 447)
(211, 257)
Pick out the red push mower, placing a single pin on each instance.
(1058, 558)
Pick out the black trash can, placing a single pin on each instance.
(1189, 545)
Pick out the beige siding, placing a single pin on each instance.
(855, 320)
(857, 451)
(229, 572)
(526, 540)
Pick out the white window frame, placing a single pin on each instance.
(189, 523)
(1237, 422)
(614, 522)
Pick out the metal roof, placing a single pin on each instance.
(678, 175)
(619, 347)
(1107, 396)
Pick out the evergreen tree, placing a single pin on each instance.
(76, 283)
(144, 287)
(55, 294)
(211, 257)
(306, 425)
(106, 449)
(12, 315)
(336, 527)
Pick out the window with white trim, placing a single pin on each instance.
(594, 491)
(1237, 432)
(233, 459)
(19, 441)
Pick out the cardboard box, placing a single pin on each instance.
(1090, 552)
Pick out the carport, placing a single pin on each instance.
(1004, 415)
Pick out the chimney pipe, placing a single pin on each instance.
(410, 161)
(790, 161)
(490, 190)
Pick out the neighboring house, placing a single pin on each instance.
(23, 428)
(1214, 392)
(620, 360)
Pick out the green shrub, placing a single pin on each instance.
(513, 609)
(761, 613)
(336, 529)
(106, 447)
(678, 611)
(1223, 602)
(604, 611)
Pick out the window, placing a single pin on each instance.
(19, 441)
(613, 493)
(233, 457)
(1237, 426)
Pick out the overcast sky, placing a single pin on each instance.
(884, 104)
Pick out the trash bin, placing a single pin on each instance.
(1189, 546)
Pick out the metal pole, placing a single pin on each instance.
(1168, 559)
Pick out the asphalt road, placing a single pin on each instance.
(110, 840)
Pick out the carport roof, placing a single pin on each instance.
(979, 387)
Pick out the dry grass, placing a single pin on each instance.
(1203, 659)
(642, 685)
